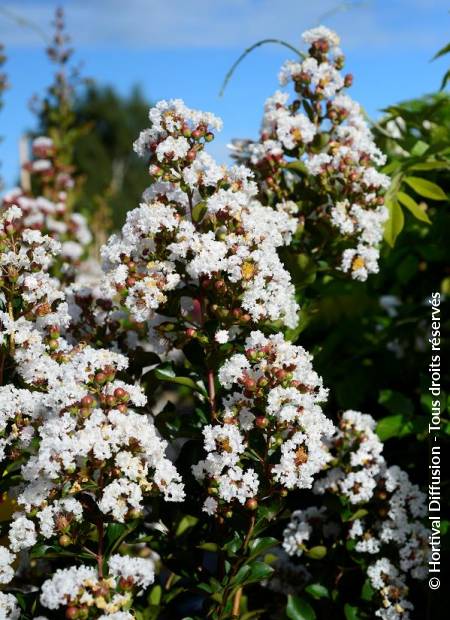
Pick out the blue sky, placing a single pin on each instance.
(183, 48)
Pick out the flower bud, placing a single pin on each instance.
(87, 401)
(65, 540)
(251, 504)
(121, 394)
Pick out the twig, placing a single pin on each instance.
(250, 49)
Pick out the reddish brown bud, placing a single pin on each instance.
(262, 422)
(251, 504)
(87, 401)
(120, 393)
(100, 377)
(110, 401)
(191, 155)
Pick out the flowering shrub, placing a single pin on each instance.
(129, 500)
(317, 151)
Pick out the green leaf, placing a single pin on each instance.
(317, 591)
(433, 164)
(259, 545)
(367, 592)
(241, 575)
(199, 211)
(419, 148)
(166, 373)
(298, 166)
(316, 553)
(351, 613)
(208, 546)
(425, 188)
(186, 523)
(395, 223)
(155, 595)
(359, 514)
(394, 426)
(233, 545)
(409, 202)
(259, 571)
(445, 79)
(444, 50)
(115, 533)
(299, 609)
(395, 402)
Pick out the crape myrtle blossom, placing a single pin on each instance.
(200, 226)
(88, 421)
(6, 570)
(84, 594)
(306, 525)
(72, 424)
(50, 211)
(9, 607)
(392, 589)
(273, 394)
(326, 132)
(390, 507)
(194, 275)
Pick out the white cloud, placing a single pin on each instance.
(225, 23)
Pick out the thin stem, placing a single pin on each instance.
(169, 581)
(250, 532)
(212, 392)
(248, 51)
(11, 337)
(240, 561)
(100, 549)
(237, 603)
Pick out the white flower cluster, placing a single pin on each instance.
(50, 212)
(53, 219)
(356, 482)
(9, 607)
(385, 578)
(80, 589)
(392, 511)
(200, 223)
(88, 422)
(18, 409)
(333, 142)
(305, 525)
(6, 569)
(277, 395)
(82, 447)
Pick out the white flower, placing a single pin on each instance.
(65, 585)
(22, 533)
(321, 32)
(210, 506)
(140, 570)
(6, 569)
(222, 336)
(9, 608)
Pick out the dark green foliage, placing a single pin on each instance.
(104, 154)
